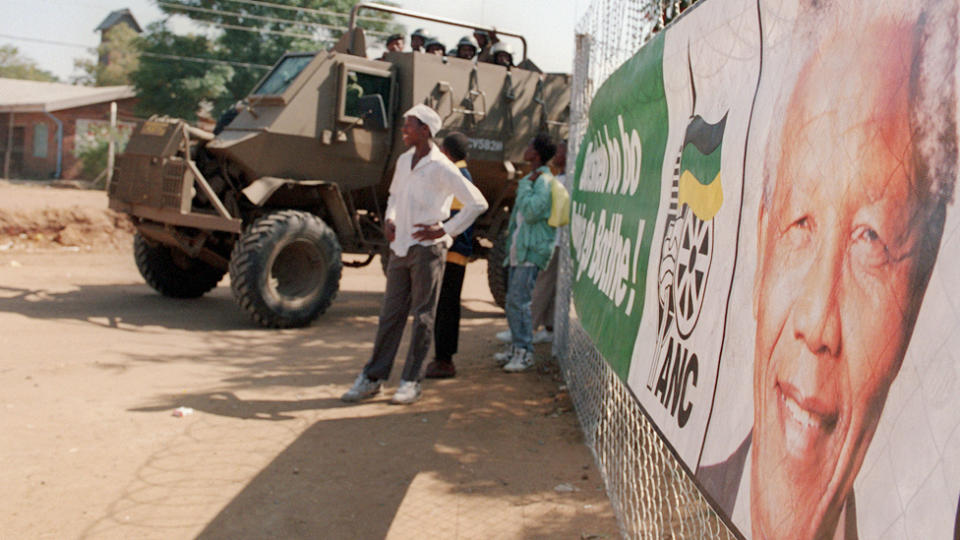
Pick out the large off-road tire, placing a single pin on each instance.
(496, 272)
(285, 269)
(172, 272)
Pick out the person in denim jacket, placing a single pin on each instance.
(531, 241)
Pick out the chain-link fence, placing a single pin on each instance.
(651, 493)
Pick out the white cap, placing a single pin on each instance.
(426, 115)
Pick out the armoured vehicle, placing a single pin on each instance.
(295, 185)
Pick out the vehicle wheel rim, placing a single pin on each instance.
(297, 272)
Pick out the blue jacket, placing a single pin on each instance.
(463, 243)
(534, 241)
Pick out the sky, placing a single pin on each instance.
(55, 32)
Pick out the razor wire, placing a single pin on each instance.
(651, 494)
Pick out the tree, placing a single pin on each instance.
(13, 65)
(117, 57)
(251, 36)
(176, 88)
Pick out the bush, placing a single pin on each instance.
(93, 160)
(91, 144)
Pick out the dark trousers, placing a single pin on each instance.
(413, 281)
(447, 330)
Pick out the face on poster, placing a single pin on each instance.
(837, 185)
(855, 165)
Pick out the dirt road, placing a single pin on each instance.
(93, 364)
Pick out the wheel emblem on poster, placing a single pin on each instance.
(694, 255)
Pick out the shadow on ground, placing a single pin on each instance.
(479, 456)
(139, 306)
(471, 460)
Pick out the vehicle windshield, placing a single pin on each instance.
(282, 75)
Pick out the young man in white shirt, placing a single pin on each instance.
(421, 192)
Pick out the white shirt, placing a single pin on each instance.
(423, 195)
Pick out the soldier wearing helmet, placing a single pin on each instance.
(434, 46)
(417, 39)
(502, 54)
(394, 44)
(485, 40)
(467, 48)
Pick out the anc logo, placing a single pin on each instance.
(699, 184)
(687, 248)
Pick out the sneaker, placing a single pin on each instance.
(362, 388)
(440, 369)
(505, 336)
(504, 356)
(407, 393)
(522, 360)
(543, 336)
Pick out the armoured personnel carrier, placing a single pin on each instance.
(298, 178)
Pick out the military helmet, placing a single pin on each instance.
(468, 40)
(433, 41)
(500, 47)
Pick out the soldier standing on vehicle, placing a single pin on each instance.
(421, 192)
(485, 40)
(502, 54)
(434, 46)
(467, 48)
(446, 333)
(395, 43)
(417, 39)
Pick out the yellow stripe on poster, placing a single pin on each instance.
(704, 200)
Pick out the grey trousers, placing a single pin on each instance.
(413, 282)
(544, 294)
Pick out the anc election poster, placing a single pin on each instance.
(763, 243)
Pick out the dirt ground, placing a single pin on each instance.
(94, 363)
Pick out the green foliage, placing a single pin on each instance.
(176, 88)
(93, 160)
(13, 65)
(91, 146)
(121, 50)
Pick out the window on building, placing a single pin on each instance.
(40, 140)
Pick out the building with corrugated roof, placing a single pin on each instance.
(42, 124)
